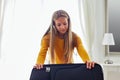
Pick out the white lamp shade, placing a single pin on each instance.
(108, 39)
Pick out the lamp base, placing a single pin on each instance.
(108, 62)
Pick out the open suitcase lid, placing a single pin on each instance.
(67, 72)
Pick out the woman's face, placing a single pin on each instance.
(61, 25)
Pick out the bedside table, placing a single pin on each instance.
(111, 71)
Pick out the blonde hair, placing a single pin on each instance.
(67, 38)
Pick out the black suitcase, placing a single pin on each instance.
(67, 72)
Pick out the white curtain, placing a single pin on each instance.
(93, 15)
(25, 21)
(2, 7)
(90, 23)
(20, 29)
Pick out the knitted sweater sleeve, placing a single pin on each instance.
(43, 50)
(80, 49)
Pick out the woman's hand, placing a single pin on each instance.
(90, 64)
(38, 66)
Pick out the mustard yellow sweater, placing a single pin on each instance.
(58, 47)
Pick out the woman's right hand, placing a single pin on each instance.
(38, 66)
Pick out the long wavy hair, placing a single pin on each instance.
(67, 37)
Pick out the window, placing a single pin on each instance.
(25, 22)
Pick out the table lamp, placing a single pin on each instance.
(108, 40)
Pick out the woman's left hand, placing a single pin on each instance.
(90, 64)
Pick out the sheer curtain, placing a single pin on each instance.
(2, 2)
(25, 22)
(89, 23)
(93, 25)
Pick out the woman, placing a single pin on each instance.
(60, 41)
